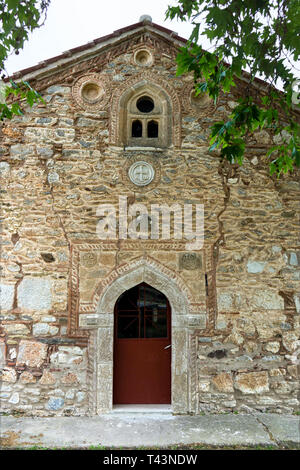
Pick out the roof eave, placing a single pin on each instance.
(91, 48)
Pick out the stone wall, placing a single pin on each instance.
(60, 161)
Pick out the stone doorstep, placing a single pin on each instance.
(141, 409)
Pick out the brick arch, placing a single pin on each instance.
(125, 91)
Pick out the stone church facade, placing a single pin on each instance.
(117, 122)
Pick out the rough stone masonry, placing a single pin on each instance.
(235, 303)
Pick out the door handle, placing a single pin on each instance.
(167, 347)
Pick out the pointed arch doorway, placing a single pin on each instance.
(142, 347)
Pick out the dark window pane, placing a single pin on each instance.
(142, 312)
(152, 129)
(129, 300)
(128, 327)
(156, 327)
(145, 104)
(137, 129)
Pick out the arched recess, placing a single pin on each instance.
(142, 353)
(167, 111)
(102, 339)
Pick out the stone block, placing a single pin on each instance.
(8, 375)
(179, 398)
(21, 151)
(105, 344)
(255, 267)
(291, 341)
(235, 338)
(31, 353)
(44, 329)
(294, 258)
(203, 386)
(223, 383)
(69, 379)
(80, 396)
(267, 300)
(105, 374)
(47, 378)
(277, 372)
(4, 168)
(57, 89)
(197, 321)
(221, 324)
(273, 346)
(262, 137)
(225, 301)
(59, 358)
(246, 326)
(252, 382)
(49, 135)
(6, 296)
(53, 177)
(293, 371)
(35, 294)
(45, 152)
(15, 398)
(16, 329)
(70, 394)
(74, 350)
(55, 403)
(27, 378)
(84, 122)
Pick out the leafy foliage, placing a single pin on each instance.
(17, 19)
(262, 37)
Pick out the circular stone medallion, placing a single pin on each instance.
(89, 92)
(141, 173)
(193, 103)
(202, 100)
(143, 57)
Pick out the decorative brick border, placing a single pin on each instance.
(76, 307)
(99, 390)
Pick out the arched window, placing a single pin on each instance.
(137, 129)
(152, 129)
(143, 107)
(142, 312)
(145, 117)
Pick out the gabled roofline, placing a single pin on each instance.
(51, 65)
(93, 46)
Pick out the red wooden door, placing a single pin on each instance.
(142, 352)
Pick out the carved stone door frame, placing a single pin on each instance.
(101, 339)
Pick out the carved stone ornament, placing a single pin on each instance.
(189, 261)
(143, 57)
(202, 100)
(90, 92)
(88, 259)
(193, 103)
(141, 173)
